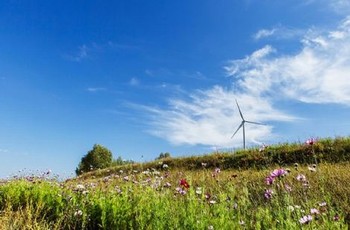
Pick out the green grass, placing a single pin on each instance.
(148, 196)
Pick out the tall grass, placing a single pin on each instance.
(218, 199)
(250, 190)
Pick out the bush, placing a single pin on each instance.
(97, 158)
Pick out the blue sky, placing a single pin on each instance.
(145, 77)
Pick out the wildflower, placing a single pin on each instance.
(296, 165)
(312, 168)
(184, 183)
(204, 164)
(181, 191)
(78, 213)
(212, 202)
(207, 196)
(269, 180)
(217, 170)
(336, 217)
(241, 222)
(301, 177)
(322, 204)
(126, 178)
(314, 211)
(167, 185)
(288, 188)
(235, 205)
(263, 147)
(278, 173)
(291, 208)
(199, 190)
(310, 141)
(268, 194)
(210, 227)
(305, 219)
(80, 188)
(165, 166)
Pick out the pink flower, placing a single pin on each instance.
(310, 141)
(314, 211)
(301, 177)
(336, 217)
(288, 188)
(268, 194)
(305, 219)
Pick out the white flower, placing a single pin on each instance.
(78, 213)
(198, 190)
(305, 219)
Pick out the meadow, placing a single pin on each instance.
(261, 188)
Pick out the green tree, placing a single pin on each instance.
(163, 155)
(97, 158)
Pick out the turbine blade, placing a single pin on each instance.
(240, 126)
(240, 112)
(255, 123)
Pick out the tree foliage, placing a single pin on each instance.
(163, 155)
(97, 158)
(120, 161)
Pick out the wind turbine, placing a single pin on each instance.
(242, 124)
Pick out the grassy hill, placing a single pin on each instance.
(287, 186)
(325, 150)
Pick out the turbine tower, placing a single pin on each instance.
(242, 124)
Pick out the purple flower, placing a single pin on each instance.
(305, 219)
(269, 180)
(268, 194)
(181, 191)
(278, 173)
(336, 217)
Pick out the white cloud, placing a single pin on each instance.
(279, 33)
(210, 117)
(264, 33)
(319, 73)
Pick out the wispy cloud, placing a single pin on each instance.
(95, 89)
(79, 55)
(264, 33)
(88, 50)
(319, 73)
(134, 81)
(279, 33)
(209, 117)
(4, 150)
